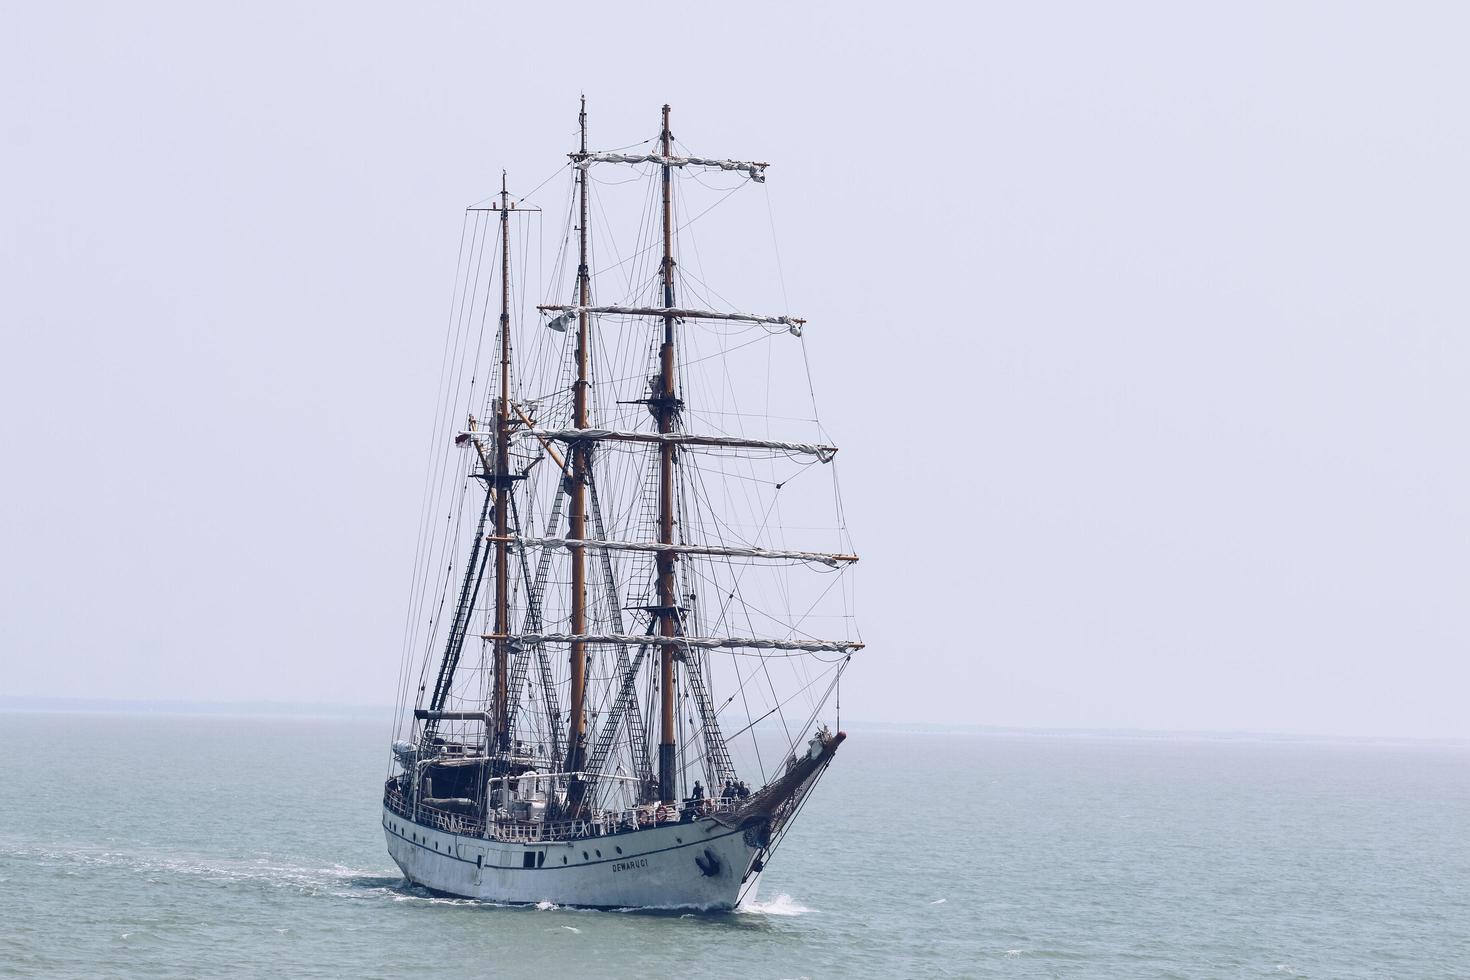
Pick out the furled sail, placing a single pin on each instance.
(756, 171)
(824, 558)
(823, 453)
(695, 642)
(791, 323)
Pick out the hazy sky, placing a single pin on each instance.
(1143, 329)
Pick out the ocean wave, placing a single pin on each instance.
(780, 905)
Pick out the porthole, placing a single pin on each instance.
(599, 854)
(584, 855)
(679, 839)
(563, 859)
(619, 850)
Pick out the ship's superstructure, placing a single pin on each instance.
(620, 651)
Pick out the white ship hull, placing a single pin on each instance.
(668, 866)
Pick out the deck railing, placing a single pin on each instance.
(604, 824)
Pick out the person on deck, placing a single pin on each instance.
(698, 793)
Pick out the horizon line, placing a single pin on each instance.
(184, 707)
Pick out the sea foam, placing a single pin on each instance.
(780, 905)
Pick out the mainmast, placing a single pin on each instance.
(500, 710)
(665, 404)
(577, 519)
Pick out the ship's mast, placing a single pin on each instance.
(666, 407)
(502, 483)
(577, 519)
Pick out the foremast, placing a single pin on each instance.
(502, 479)
(665, 406)
(577, 517)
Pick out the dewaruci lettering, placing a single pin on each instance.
(632, 865)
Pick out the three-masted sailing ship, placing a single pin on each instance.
(617, 684)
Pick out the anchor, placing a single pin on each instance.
(709, 864)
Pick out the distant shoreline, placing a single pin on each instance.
(385, 714)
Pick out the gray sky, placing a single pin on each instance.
(1143, 329)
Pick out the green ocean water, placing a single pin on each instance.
(137, 846)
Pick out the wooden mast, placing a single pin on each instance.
(666, 407)
(577, 519)
(501, 713)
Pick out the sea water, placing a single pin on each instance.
(150, 846)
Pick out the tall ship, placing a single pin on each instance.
(632, 598)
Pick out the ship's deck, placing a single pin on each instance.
(600, 824)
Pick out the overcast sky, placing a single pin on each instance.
(1143, 329)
